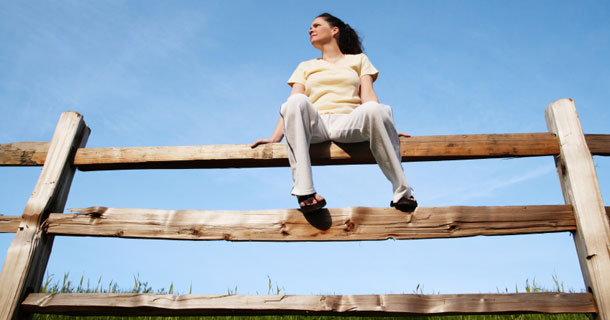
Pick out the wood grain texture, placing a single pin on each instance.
(580, 189)
(9, 224)
(342, 224)
(430, 148)
(23, 153)
(599, 144)
(391, 304)
(424, 148)
(29, 251)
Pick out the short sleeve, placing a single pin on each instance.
(366, 67)
(298, 76)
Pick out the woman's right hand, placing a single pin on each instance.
(402, 134)
(277, 136)
(278, 133)
(262, 141)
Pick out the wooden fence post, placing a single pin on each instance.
(580, 188)
(27, 257)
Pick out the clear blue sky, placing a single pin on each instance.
(148, 73)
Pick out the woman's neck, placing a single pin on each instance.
(331, 52)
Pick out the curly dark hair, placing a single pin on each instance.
(349, 41)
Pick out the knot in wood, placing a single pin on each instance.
(267, 152)
(349, 225)
(95, 214)
(283, 230)
(26, 158)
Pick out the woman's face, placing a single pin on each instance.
(321, 32)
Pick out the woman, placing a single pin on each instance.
(332, 98)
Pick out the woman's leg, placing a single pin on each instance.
(302, 126)
(374, 122)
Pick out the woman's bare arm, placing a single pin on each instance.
(367, 93)
(278, 132)
(277, 136)
(297, 88)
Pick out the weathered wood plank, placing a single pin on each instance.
(599, 144)
(23, 153)
(29, 252)
(430, 148)
(425, 148)
(580, 188)
(343, 224)
(9, 224)
(478, 146)
(389, 304)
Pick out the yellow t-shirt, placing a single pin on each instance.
(334, 87)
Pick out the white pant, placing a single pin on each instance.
(371, 121)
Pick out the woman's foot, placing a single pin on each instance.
(405, 204)
(311, 202)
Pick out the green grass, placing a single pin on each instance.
(67, 286)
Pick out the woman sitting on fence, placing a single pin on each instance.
(332, 98)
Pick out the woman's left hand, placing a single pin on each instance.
(402, 134)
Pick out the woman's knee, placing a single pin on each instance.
(376, 110)
(295, 103)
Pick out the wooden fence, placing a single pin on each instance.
(583, 214)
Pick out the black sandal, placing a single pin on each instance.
(405, 204)
(312, 207)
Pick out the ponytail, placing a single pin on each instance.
(349, 41)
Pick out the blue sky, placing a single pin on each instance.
(148, 73)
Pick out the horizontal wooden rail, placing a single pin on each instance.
(24, 153)
(178, 228)
(9, 224)
(425, 148)
(429, 148)
(342, 224)
(389, 304)
(599, 144)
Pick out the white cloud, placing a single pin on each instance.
(477, 188)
